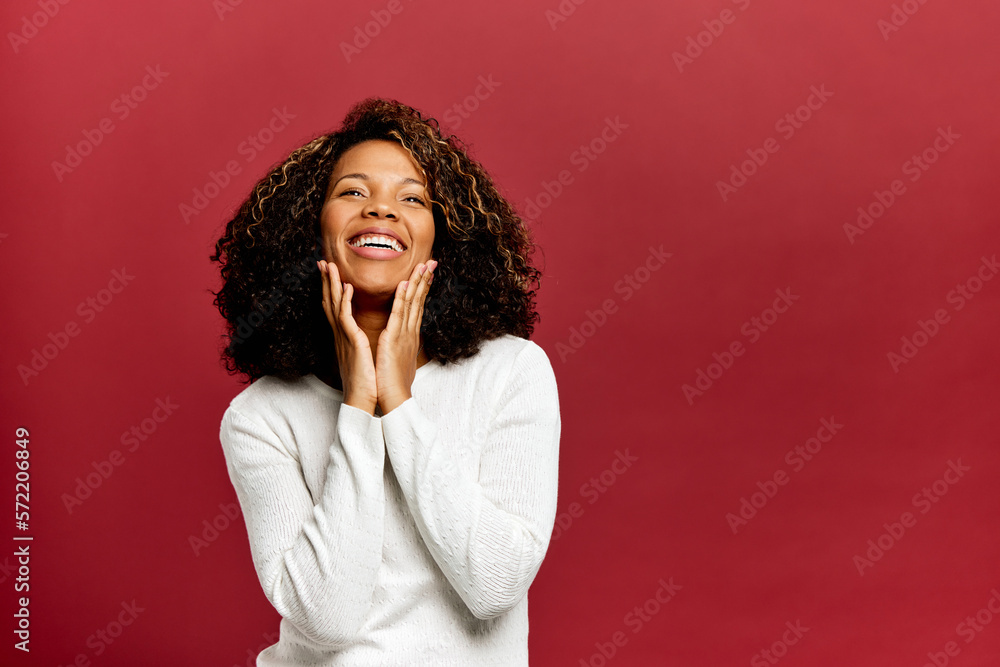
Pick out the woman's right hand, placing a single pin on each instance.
(354, 354)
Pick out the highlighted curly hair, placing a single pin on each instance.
(484, 287)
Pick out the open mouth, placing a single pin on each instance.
(379, 241)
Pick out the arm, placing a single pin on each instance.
(316, 563)
(488, 532)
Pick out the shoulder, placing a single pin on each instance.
(508, 353)
(271, 399)
(509, 363)
(265, 393)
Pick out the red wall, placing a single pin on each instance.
(837, 104)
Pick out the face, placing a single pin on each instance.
(377, 222)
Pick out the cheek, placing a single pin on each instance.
(427, 236)
(328, 231)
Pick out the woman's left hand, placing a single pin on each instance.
(399, 342)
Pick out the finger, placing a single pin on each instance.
(417, 278)
(404, 293)
(345, 303)
(327, 305)
(397, 315)
(346, 318)
(416, 309)
(336, 288)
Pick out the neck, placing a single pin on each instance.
(373, 323)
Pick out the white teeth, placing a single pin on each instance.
(375, 241)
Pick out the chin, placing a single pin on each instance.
(376, 285)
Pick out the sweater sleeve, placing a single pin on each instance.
(317, 562)
(488, 532)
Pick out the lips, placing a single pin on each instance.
(379, 231)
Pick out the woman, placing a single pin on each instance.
(396, 454)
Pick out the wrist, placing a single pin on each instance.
(367, 405)
(392, 401)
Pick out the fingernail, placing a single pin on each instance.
(406, 283)
(422, 269)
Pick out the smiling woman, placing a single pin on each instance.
(396, 454)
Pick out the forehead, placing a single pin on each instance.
(376, 155)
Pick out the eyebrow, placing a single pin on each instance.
(364, 177)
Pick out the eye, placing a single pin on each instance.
(352, 191)
(415, 198)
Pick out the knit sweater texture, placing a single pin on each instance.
(406, 539)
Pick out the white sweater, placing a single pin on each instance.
(407, 539)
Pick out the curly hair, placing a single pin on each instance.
(484, 287)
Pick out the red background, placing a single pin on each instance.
(555, 84)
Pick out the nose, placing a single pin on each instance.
(379, 207)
